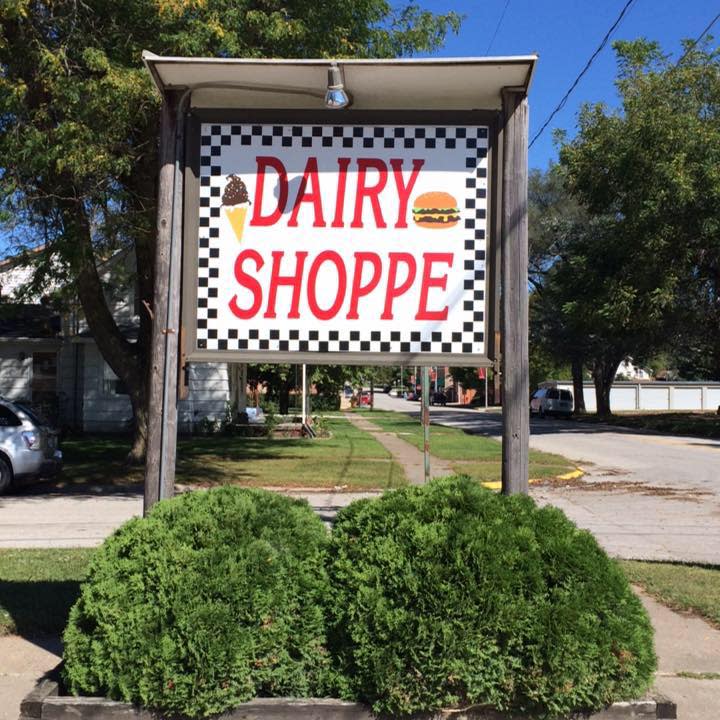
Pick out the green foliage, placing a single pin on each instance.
(325, 402)
(79, 122)
(449, 595)
(643, 276)
(214, 598)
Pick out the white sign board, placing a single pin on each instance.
(339, 240)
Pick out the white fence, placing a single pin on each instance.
(649, 395)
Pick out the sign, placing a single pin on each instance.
(347, 243)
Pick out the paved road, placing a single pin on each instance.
(644, 496)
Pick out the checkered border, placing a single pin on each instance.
(466, 339)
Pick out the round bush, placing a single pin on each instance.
(216, 597)
(449, 595)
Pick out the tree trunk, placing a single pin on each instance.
(136, 456)
(126, 359)
(284, 400)
(603, 375)
(578, 391)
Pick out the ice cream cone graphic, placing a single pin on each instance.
(236, 216)
(235, 200)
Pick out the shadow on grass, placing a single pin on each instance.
(34, 609)
(95, 462)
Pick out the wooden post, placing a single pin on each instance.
(425, 414)
(162, 396)
(496, 265)
(303, 413)
(514, 322)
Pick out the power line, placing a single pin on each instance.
(600, 48)
(497, 27)
(698, 39)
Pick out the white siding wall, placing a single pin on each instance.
(655, 395)
(209, 393)
(70, 383)
(623, 398)
(687, 398)
(104, 411)
(712, 398)
(13, 278)
(117, 274)
(15, 373)
(655, 398)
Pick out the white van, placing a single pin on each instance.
(551, 401)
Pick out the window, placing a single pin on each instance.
(8, 418)
(566, 395)
(44, 377)
(553, 394)
(112, 384)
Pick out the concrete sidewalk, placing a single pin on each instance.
(22, 663)
(406, 455)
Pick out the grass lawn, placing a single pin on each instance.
(683, 587)
(474, 455)
(349, 457)
(38, 588)
(694, 424)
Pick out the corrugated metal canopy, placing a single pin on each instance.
(434, 84)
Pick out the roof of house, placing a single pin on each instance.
(24, 321)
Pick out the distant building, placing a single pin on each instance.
(628, 371)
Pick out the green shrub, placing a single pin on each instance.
(216, 597)
(325, 402)
(449, 595)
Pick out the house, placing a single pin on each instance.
(48, 358)
(628, 371)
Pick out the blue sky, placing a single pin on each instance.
(565, 33)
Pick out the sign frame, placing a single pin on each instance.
(191, 225)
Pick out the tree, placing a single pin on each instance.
(554, 219)
(79, 124)
(647, 270)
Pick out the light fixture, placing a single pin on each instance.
(336, 98)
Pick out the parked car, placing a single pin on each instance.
(551, 401)
(29, 447)
(438, 398)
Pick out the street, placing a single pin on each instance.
(644, 495)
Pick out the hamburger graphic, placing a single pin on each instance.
(235, 200)
(436, 210)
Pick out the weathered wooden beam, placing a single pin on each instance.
(514, 322)
(162, 386)
(425, 417)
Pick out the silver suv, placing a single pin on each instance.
(28, 446)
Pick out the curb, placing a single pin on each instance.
(573, 475)
(45, 703)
